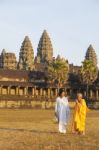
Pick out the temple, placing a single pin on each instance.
(45, 50)
(91, 55)
(26, 55)
(26, 81)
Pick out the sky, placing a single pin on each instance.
(71, 24)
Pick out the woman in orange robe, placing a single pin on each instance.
(79, 116)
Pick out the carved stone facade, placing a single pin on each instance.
(45, 49)
(91, 55)
(8, 60)
(26, 81)
(21, 88)
(26, 55)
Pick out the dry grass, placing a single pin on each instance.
(35, 130)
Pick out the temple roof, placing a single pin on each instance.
(26, 38)
(45, 49)
(91, 54)
(26, 42)
(14, 73)
(20, 74)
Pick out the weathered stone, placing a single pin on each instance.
(91, 55)
(45, 50)
(26, 55)
(8, 60)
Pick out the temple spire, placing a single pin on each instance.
(26, 55)
(45, 50)
(91, 55)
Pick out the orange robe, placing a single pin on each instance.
(80, 116)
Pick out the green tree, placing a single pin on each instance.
(88, 73)
(58, 71)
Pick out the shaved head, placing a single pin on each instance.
(79, 95)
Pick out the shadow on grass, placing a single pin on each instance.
(28, 130)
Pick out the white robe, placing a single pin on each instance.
(62, 110)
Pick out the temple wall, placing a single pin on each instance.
(12, 91)
(33, 104)
(36, 97)
(12, 79)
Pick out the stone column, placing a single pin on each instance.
(56, 92)
(9, 90)
(36, 92)
(26, 91)
(97, 94)
(41, 92)
(85, 93)
(91, 93)
(33, 91)
(17, 90)
(49, 92)
(0, 90)
(44, 92)
(70, 91)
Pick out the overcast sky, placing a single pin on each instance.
(72, 25)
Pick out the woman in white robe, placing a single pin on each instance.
(62, 111)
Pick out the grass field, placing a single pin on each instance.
(35, 130)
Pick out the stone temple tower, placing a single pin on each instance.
(8, 60)
(26, 55)
(45, 49)
(91, 55)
